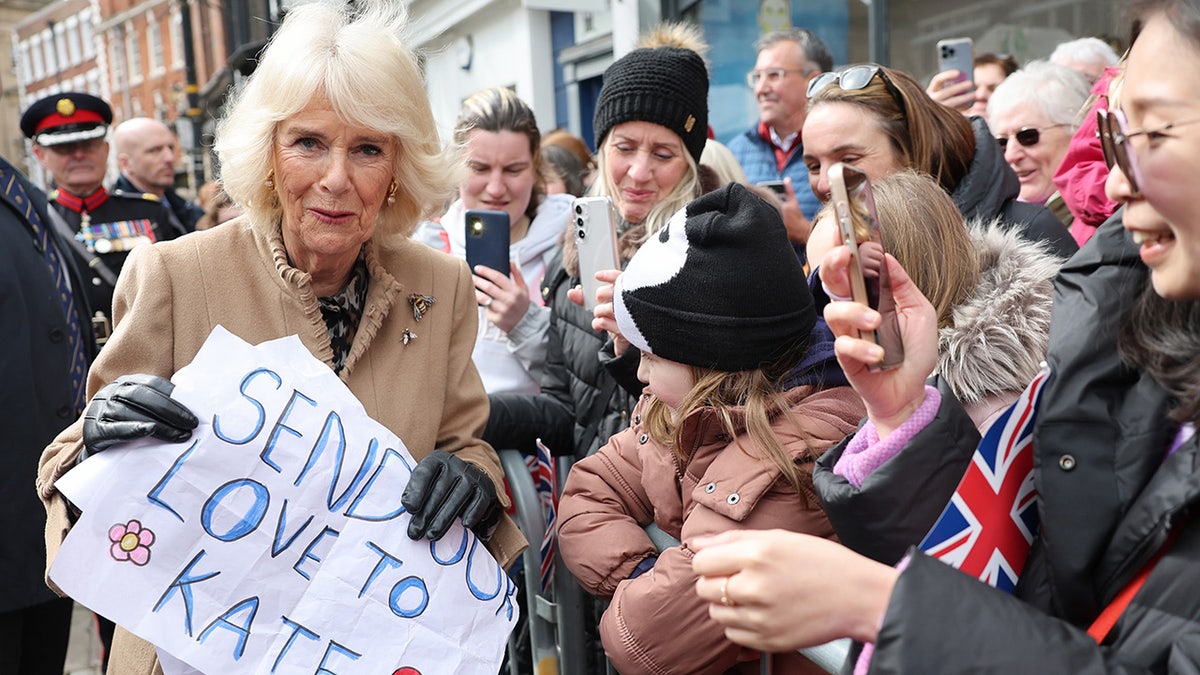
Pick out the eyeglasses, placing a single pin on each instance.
(850, 79)
(771, 75)
(1026, 136)
(1114, 133)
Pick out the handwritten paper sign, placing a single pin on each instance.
(273, 541)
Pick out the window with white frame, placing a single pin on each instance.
(155, 45)
(48, 49)
(134, 49)
(176, 37)
(116, 59)
(72, 34)
(26, 68)
(60, 46)
(35, 58)
(87, 36)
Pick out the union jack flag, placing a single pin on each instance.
(545, 479)
(990, 522)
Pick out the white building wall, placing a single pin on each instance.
(506, 44)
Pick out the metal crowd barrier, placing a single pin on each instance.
(539, 611)
(557, 622)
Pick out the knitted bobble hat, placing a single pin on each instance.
(664, 85)
(718, 287)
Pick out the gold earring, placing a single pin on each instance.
(270, 182)
(391, 198)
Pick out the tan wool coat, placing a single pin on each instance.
(172, 294)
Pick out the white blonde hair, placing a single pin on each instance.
(356, 59)
(1058, 92)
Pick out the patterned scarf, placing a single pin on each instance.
(343, 310)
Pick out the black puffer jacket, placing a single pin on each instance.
(990, 189)
(1107, 500)
(567, 415)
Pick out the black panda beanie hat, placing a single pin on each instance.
(718, 287)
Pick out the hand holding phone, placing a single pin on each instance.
(595, 233)
(487, 235)
(870, 284)
(957, 54)
(954, 85)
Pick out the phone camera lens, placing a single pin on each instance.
(579, 222)
(579, 209)
(581, 233)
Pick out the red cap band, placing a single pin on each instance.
(56, 119)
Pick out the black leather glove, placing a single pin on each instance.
(132, 407)
(442, 488)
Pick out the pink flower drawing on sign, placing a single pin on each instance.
(131, 542)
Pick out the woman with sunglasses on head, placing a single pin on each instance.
(1111, 581)
(882, 121)
(1033, 114)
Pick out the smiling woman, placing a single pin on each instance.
(1033, 114)
(313, 154)
(880, 120)
(332, 180)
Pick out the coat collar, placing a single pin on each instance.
(382, 291)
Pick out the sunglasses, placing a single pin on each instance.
(1113, 129)
(1027, 136)
(850, 79)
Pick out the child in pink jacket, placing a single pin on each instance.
(718, 305)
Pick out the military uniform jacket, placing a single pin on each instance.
(104, 234)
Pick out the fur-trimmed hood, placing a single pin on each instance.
(999, 336)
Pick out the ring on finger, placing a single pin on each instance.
(489, 302)
(725, 593)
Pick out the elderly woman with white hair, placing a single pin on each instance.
(333, 177)
(1033, 114)
(1087, 55)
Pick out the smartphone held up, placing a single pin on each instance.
(487, 239)
(870, 284)
(595, 230)
(957, 54)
